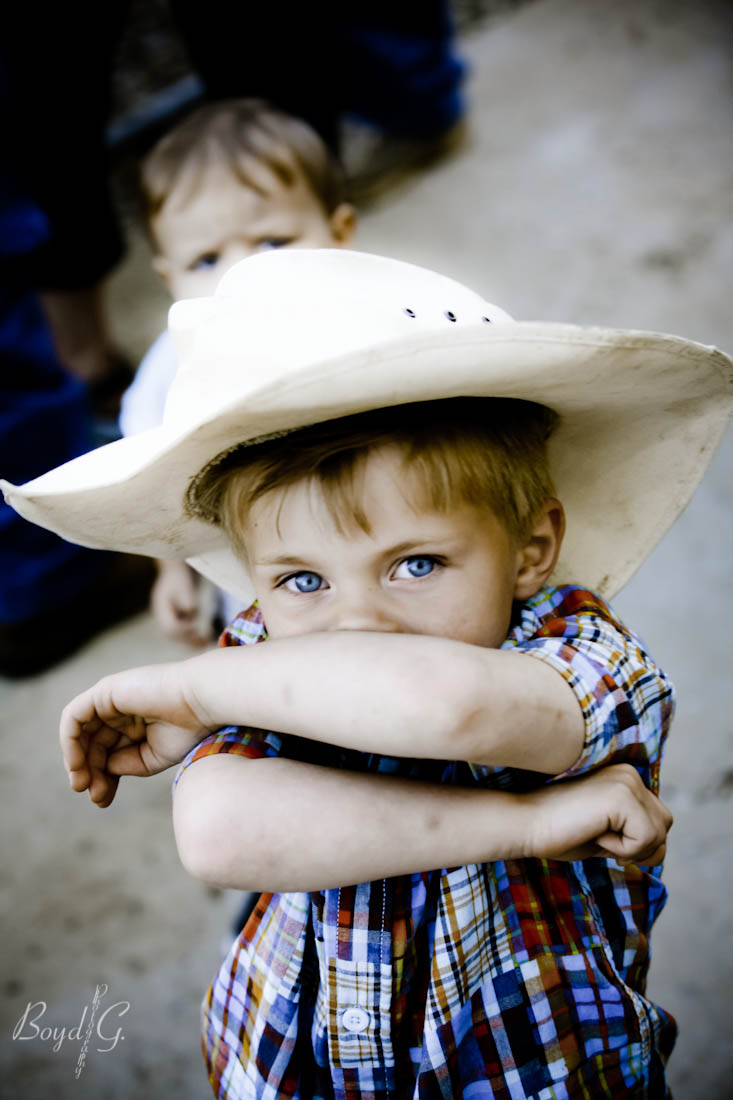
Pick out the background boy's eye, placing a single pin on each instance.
(274, 242)
(420, 566)
(207, 259)
(303, 582)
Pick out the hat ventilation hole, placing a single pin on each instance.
(487, 320)
(409, 312)
(450, 315)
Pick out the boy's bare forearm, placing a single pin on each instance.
(282, 825)
(400, 695)
(397, 695)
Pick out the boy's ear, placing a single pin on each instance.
(343, 224)
(538, 555)
(163, 269)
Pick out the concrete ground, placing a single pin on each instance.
(595, 187)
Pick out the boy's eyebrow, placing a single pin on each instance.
(432, 541)
(425, 540)
(279, 559)
(269, 219)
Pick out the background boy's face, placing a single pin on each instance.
(450, 574)
(201, 233)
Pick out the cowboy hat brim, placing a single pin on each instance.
(641, 415)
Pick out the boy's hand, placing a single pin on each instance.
(137, 722)
(178, 604)
(609, 813)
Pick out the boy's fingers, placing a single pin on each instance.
(655, 857)
(70, 733)
(102, 789)
(127, 761)
(651, 850)
(79, 722)
(98, 750)
(74, 757)
(79, 778)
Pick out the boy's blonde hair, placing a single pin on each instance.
(235, 133)
(487, 452)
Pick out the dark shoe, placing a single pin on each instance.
(34, 645)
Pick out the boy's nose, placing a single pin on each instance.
(363, 612)
(239, 250)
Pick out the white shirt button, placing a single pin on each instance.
(355, 1019)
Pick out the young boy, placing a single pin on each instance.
(386, 475)
(233, 178)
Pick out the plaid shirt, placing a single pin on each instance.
(514, 979)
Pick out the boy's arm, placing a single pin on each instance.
(589, 694)
(282, 825)
(396, 694)
(592, 698)
(276, 823)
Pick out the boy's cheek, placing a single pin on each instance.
(487, 631)
(195, 284)
(285, 624)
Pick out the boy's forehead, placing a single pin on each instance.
(218, 204)
(384, 493)
(212, 182)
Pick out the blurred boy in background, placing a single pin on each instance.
(235, 177)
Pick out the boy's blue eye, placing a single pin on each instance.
(416, 567)
(304, 582)
(274, 242)
(208, 259)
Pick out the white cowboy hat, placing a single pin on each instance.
(294, 337)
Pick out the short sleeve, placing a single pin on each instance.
(246, 629)
(237, 741)
(626, 699)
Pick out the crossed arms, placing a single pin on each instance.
(277, 824)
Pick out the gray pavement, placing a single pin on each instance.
(595, 187)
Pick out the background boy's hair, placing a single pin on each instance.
(487, 452)
(238, 134)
